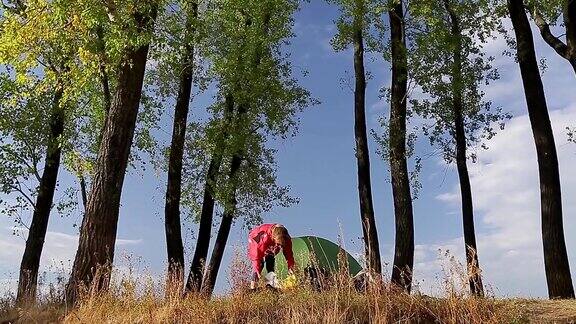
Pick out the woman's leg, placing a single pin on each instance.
(270, 262)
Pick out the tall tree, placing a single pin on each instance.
(362, 152)
(471, 248)
(93, 261)
(404, 245)
(450, 67)
(355, 28)
(174, 244)
(555, 256)
(197, 268)
(34, 244)
(41, 59)
(266, 100)
(194, 281)
(199, 259)
(209, 280)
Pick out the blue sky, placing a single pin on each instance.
(320, 167)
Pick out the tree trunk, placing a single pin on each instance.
(570, 23)
(223, 232)
(195, 277)
(83, 191)
(555, 256)
(194, 282)
(404, 245)
(174, 246)
(474, 273)
(372, 248)
(95, 255)
(34, 244)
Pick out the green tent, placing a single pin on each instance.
(318, 252)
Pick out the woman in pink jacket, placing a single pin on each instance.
(264, 242)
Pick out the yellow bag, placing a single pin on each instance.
(290, 282)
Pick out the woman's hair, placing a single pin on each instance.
(280, 235)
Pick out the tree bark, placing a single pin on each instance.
(372, 248)
(474, 273)
(555, 255)
(83, 191)
(404, 245)
(194, 282)
(570, 23)
(209, 280)
(174, 245)
(95, 255)
(27, 283)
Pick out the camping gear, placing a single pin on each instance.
(290, 282)
(272, 280)
(317, 254)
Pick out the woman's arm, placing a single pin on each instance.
(288, 254)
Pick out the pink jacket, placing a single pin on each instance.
(260, 242)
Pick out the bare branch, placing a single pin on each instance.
(33, 166)
(18, 188)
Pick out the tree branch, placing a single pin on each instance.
(104, 79)
(33, 167)
(549, 38)
(570, 23)
(35, 160)
(20, 191)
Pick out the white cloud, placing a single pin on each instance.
(450, 197)
(57, 255)
(506, 196)
(121, 242)
(505, 184)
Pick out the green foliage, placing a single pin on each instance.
(22, 147)
(364, 15)
(75, 45)
(243, 51)
(64, 45)
(550, 10)
(39, 54)
(382, 140)
(176, 29)
(432, 65)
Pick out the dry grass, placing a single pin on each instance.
(135, 300)
(341, 303)
(541, 311)
(301, 306)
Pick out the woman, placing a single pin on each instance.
(264, 242)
